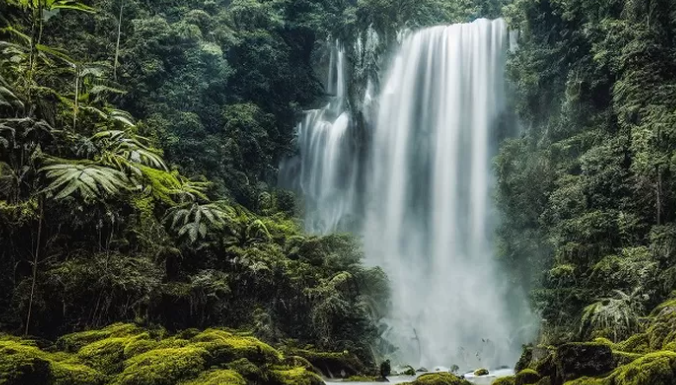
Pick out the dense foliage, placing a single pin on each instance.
(137, 142)
(594, 84)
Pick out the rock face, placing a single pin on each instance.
(575, 360)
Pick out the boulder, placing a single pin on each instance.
(580, 359)
(481, 372)
(527, 377)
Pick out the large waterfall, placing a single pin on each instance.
(431, 226)
(429, 217)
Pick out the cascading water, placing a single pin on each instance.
(430, 228)
(429, 219)
(324, 171)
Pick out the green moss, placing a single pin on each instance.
(481, 372)
(638, 343)
(295, 361)
(623, 358)
(163, 366)
(251, 372)
(586, 381)
(527, 377)
(331, 363)
(22, 364)
(64, 373)
(504, 381)
(218, 377)
(657, 368)
(225, 346)
(361, 379)
(139, 346)
(75, 341)
(440, 379)
(105, 355)
(296, 376)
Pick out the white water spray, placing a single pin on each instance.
(431, 226)
(429, 218)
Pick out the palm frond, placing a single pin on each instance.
(89, 180)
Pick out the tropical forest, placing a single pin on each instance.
(319, 192)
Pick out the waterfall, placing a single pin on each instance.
(427, 191)
(431, 226)
(325, 170)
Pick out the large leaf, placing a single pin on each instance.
(89, 180)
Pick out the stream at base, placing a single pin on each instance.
(482, 380)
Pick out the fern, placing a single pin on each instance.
(88, 179)
(194, 221)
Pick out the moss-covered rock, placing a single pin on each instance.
(106, 355)
(481, 372)
(251, 372)
(361, 379)
(575, 360)
(332, 364)
(75, 341)
(163, 366)
(638, 343)
(224, 346)
(67, 373)
(407, 371)
(21, 364)
(527, 377)
(586, 381)
(510, 380)
(624, 358)
(439, 379)
(657, 368)
(295, 376)
(218, 377)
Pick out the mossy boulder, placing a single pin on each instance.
(439, 379)
(539, 358)
(624, 358)
(586, 381)
(481, 372)
(70, 373)
(218, 377)
(75, 341)
(21, 364)
(657, 368)
(361, 379)
(295, 376)
(224, 346)
(638, 343)
(251, 372)
(527, 377)
(510, 380)
(579, 359)
(332, 364)
(163, 366)
(407, 371)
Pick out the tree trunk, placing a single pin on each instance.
(659, 195)
(36, 259)
(117, 46)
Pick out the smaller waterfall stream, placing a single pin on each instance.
(325, 170)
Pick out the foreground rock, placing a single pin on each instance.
(646, 358)
(439, 379)
(124, 354)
